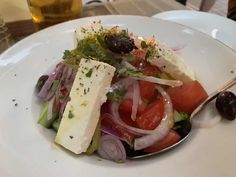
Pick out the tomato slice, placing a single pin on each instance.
(171, 138)
(150, 70)
(188, 96)
(126, 107)
(147, 90)
(152, 116)
(126, 117)
(125, 111)
(146, 68)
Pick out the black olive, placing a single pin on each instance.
(41, 82)
(183, 127)
(226, 105)
(118, 43)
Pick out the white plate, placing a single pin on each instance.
(218, 27)
(26, 149)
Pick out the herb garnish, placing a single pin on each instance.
(93, 47)
(89, 73)
(116, 95)
(70, 115)
(144, 44)
(129, 72)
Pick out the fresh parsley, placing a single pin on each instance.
(70, 115)
(89, 73)
(101, 40)
(116, 95)
(144, 44)
(129, 72)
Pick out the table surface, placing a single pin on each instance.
(18, 20)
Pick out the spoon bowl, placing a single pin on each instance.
(212, 96)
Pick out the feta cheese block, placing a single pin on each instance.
(82, 112)
(170, 62)
(87, 30)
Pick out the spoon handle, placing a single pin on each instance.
(213, 95)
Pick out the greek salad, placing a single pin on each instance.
(118, 95)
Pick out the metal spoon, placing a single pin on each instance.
(211, 97)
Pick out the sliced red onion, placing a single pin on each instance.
(66, 81)
(47, 85)
(70, 76)
(168, 106)
(62, 78)
(52, 92)
(128, 65)
(148, 140)
(162, 129)
(110, 131)
(136, 98)
(129, 93)
(118, 131)
(64, 73)
(135, 92)
(59, 71)
(111, 148)
(116, 118)
(71, 79)
(126, 84)
(106, 115)
(172, 83)
(123, 84)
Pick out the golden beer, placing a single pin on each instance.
(49, 12)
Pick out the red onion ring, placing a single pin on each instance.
(162, 129)
(123, 84)
(47, 85)
(136, 98)
(109, 131)
(172, 83)
(119, 121)
(128, 65)
(64, 73)
(111, 148)
(106, 115)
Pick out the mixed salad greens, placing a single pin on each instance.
(148, 104)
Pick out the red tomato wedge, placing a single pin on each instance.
(147, 90)
(126, 117)
(171, 138)
(126, 107)
(125, 111)
(150, 70)
(146, 68)
(188, 96)
(152, 116)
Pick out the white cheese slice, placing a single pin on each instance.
(82, 112)
(87, 30)
(170, 62)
